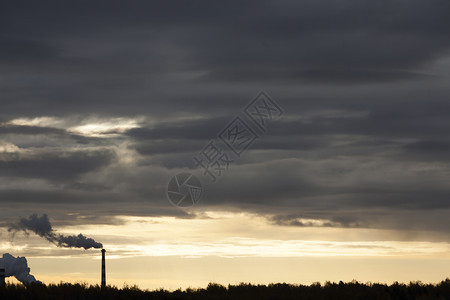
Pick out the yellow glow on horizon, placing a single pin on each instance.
(169, 252)
(245, 235)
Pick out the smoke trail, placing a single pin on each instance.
(42, 227)
(17, 267)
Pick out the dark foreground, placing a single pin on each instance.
(352, 290)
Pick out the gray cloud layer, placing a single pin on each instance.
(364, 141)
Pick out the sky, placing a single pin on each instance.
(103, 102)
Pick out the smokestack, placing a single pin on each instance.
(103, 269)
(2, 277)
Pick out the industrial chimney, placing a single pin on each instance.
(103, 269)
(2, 276)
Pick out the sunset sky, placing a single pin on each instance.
(103, 102)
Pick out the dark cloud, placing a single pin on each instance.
(195, 129)
(56, 166)
(148, 54)
(363, 142)
(297, 220)
(25, 51)
(428, 150)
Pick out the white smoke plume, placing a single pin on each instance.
(42, 227)
(17, 267)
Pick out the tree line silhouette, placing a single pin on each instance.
(328, 290)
